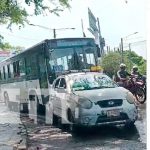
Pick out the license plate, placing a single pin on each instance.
(113, 113)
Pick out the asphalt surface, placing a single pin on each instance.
(10, 129)
(42, 137)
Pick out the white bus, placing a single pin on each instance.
(29, 75)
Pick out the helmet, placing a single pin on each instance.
(122, 65)
(135, 68)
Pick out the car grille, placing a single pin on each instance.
(110, 103)
(102, 119)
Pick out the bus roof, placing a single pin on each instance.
(44, 41)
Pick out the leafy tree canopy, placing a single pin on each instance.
(112, 60)
(5, 46)
(15, 12)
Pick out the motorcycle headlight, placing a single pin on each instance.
(85, 103)
(130, 98)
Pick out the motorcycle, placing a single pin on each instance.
(137, 86)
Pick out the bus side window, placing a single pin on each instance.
(4, 74)
(22, 67)
(11, 71)
(31, 65)
(8, 71)
(28, 66)
(16, 69)
(0, 74)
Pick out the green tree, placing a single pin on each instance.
(112, 60)
(5, 46)
(136, 60)
(13, 12)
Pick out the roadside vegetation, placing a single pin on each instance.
(112, 60)
(17, 12)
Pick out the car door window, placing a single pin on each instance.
(56, 84)
(62, 83)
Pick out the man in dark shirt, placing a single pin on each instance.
(122, 75)
(135, 72)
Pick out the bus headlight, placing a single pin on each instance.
(130, 98)
(85, 103)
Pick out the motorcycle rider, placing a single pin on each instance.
(122, 75)
(136, 73)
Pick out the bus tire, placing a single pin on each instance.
(6, 100)
(25, 109)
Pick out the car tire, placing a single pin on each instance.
(55, 120)
(71, 127)
(130, 125)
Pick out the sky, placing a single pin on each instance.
(118, 19)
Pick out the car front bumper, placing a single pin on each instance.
(97, 116)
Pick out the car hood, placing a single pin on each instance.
(103, 94)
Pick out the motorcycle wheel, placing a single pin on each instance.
(140, 95)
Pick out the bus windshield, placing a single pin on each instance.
(73, 58)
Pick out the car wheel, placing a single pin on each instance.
(130, 125)
(71, 127)
(55, 120)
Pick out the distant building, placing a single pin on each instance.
(4, 55)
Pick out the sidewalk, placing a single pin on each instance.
(12, 131)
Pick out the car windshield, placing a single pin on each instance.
(91, 81)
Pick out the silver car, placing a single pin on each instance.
(91, 99)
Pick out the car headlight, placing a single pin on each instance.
(130, 98)
(85, 103)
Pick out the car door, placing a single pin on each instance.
(54, 97)
(62, 103)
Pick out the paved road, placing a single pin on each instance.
(10, 127)
(103, 138)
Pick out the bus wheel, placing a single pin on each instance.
(24, 108)
(6, 100)
(32, 107)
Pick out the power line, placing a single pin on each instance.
(16, 36)
(138, 42)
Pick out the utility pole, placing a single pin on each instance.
(130, 54)
(122, 60)
(121, 45)
(83, 28)
(100, 37)
(54, 32)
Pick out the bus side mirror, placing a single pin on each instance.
(98, 51)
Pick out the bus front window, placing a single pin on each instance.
(76, 58)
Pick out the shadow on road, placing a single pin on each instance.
(107, 132)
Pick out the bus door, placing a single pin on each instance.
(43, 78)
